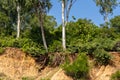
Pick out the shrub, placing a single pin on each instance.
(55, 46)
(116, 46)
(102, 57)
(72, 49)
(116, 76)
(104, 43)
(25, 44)
(78, 69)
(1, 50)
(77, 45)
(31, 47)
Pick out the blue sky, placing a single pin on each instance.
(81, 9)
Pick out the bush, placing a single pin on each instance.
(78, 69)
(72, 49)
(104, 43)
(1, 50)
(116, 76)
(102, 57)
(55, 46)
(25, 44)
(32, 48)
(116, 45)
(77, 45)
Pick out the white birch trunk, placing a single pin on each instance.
(106, 18)
(18, 21)
(63, 26)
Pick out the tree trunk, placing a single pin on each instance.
(63, 26)
(40, 15)
(18, 21)
(42, 31)
(106, 18)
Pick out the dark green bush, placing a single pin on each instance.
(25, 44)
(78, 69)
(77, 45)
(56, 46)
(105, 43)
(102, 57)
(72, 49)
(1, 50)
(6, 41)
(33, 48)
(116, 76)
(116, 46)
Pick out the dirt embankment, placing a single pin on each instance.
(15, 65)
(105, 72)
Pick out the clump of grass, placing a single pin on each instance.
(116, 75)
(78, 69)
(1, 50)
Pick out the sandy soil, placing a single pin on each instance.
(15, 65)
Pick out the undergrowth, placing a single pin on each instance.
(116, 76)
(102, 57)
(27, 45)
(77, 69)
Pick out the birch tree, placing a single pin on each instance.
(14, 9)
(106, 7)
(63, 25)
(22, 7)
(18, 19)
(66, 7)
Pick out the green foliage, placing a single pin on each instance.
(3, 19)
(79, 68)
(115, 23)
(79, 34)
(7, 42)
(116, 76)
(106, 32)
(1, 50)
(32, 48)
(106, 7)
(27, 78)
(104, 43)
(56, 46)
(102, 57)
(50, 23)
(116, 46)
(25, 44)
(84, 36)
(83, 30)
(96, 48)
